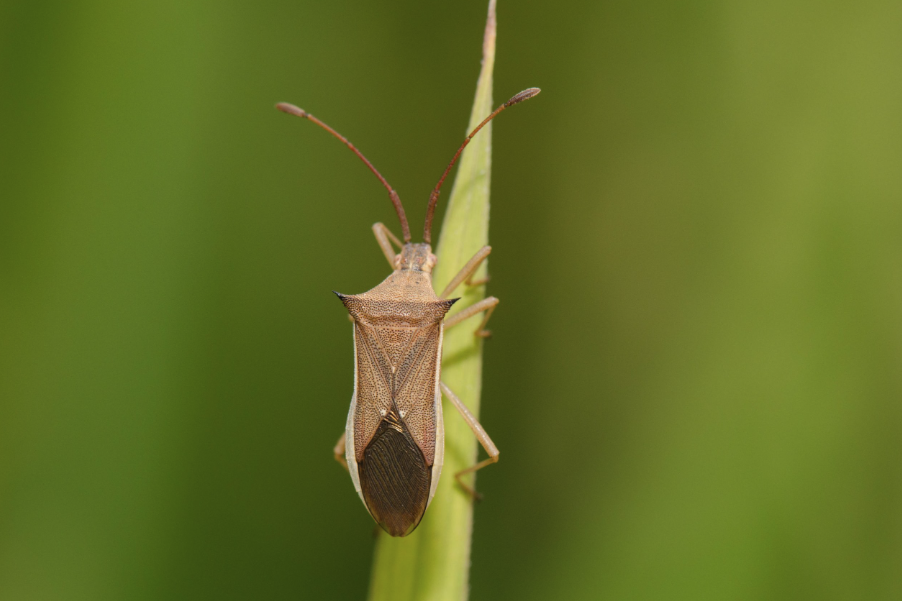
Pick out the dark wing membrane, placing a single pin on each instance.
(394, 478)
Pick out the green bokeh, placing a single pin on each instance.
(696, 373)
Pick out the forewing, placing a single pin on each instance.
(415, 386)
(412, 381)
(374, 377)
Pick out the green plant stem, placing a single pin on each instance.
(433, 563)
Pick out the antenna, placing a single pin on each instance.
(433, 198)
(395, 199)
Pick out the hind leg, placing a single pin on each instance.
(481, 436)
(339, 450)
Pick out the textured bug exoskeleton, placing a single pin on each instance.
(395, 431)
(393, 444)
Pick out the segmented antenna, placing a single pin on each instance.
(433, 198)
(395, 199)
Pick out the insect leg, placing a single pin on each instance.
(339, 450)
(481, 436)
(466, 274)
(487, 304)
(384, 237)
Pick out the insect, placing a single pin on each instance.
(393, 444)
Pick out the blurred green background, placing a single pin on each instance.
(695, 375)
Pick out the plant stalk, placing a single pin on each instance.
(433, 563)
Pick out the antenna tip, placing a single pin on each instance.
(524, 95)
(293, 110)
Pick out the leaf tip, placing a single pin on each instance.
(488, 41)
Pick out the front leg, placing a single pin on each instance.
(384, 237)
(466, 274)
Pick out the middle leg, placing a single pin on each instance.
(487, 304)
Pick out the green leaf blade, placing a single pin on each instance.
(433, 563)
